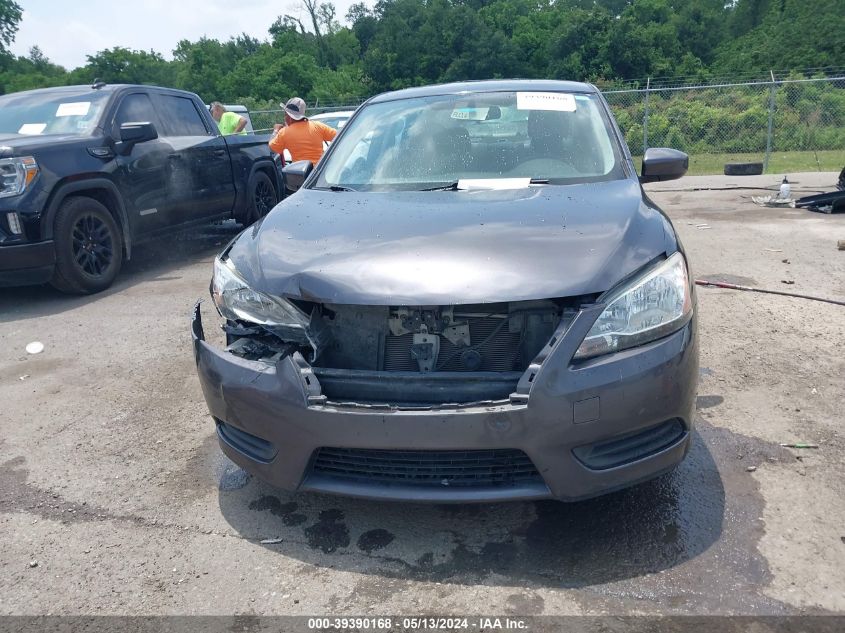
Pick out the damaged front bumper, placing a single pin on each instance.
(569, 431)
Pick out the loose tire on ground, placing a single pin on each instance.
(89, 247)
(743, 169)
(262, 198)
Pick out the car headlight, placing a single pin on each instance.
(16, 174)
(235, 300)
(653, 305)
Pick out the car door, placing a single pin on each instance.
(142, 175)
(201, 182)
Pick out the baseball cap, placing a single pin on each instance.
(295, 108)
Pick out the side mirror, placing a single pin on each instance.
(296, 173)
(132, 133)
(662, 163)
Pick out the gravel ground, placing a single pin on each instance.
(115, 499)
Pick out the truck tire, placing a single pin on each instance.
(262, 197)
(89, 248)
(743, 169)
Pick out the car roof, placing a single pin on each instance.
(494, 85)
(332, 115)
(104, 88)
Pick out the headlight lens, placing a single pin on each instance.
(16, 174)
(655, 304)
(235, 300)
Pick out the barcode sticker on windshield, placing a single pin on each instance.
(75, 108)
(556, 101)
(32, 128)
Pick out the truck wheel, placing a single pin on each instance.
(262, 197)
(89, 249)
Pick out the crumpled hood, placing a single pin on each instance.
(452, 247)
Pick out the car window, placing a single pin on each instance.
(135, 108)
(423, 142)
(181, 117)
(335, 122)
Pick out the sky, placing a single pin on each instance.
(68, 31)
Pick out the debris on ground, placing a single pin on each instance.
(823, 202)
(772, 200)
(773, 250)
(271, 541)
(800, 445)
(783, 194)
(750, 469)
(826, 202)
(841, 245)
(24, 377)
(722, 284)
(33, 563)
(36, 347)
(787, 281)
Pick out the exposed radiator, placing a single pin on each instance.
(499, 353)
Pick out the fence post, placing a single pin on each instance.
(645, 117)
(771, 118)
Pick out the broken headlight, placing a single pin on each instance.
(236, 301)
(653, 305)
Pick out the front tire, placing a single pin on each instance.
(89, 248)
(262, 198)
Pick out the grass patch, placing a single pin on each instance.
(779, 162)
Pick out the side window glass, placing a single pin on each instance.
(135, 108)
(181, 117)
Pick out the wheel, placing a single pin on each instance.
(262, 198)
(743, 169)
(89, 249)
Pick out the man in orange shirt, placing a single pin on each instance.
(301, 137)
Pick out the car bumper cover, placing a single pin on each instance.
(24, 264)
(585, 428)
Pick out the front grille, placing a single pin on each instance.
(500, 351)
(624, 450)
(467, 469)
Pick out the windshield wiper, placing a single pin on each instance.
(341, 188)
(450, 187)
(454, 185)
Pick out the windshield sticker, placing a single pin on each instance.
(556, 101)
(470, 114)
(493, 183)
(75, 108)
(32, 128)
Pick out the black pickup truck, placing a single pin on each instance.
(88, 171)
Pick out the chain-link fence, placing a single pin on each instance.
(787, 124)
(264, 120)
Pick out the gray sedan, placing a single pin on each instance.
(470, 298)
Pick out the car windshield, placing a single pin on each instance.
(336, 122)
(60, 112)
(430, 142)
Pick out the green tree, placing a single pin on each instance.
(123, 65)
(10, 17)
